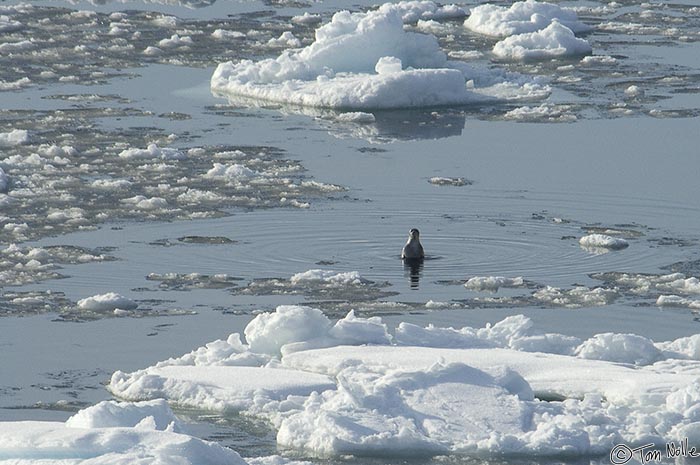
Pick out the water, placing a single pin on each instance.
(536, 187)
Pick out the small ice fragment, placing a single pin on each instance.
(106, 303)
(603, 241)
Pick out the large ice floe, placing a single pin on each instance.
(352, 387)
(368, 61)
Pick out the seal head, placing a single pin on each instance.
(413, 250)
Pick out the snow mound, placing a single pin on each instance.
(110, 433)
(520, 18)
(624, 348)
(268, 332)
(415, 10)
(230, 172)
(492, 283)
(14, 137)
(603, 241)
(152, 152)
(366, 61)
(106, 303)
(579, 296)
(328, 276)
(110, 414)
(554, 41)
(291, 328)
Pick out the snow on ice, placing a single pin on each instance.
(353, 388)
(368, 61)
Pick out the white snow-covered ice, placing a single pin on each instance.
(521, 17)
(554, 41)
(368, 61)
(353, 388)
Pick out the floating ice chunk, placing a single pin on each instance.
(223, 34)
(358, 117)
(218, 388)
(176, 41)
(110, 414)
(166, 21)
(106, 303)
(142, 202)
(286, 39)
(306, 18)
(414, 10)
(9, 25)
(677, 301)
(26, 442)
(111, 184)
(576, 297)
(521, 17)
(328, 276)
(449, 181)
(339, 69)
(603, 241)
(644, 283)
(634, 91)
(230, 172)
(268, 332)
(545, 112)
(152, 152)
(14, 47)
(73, 214)
(4, 181)
(492, 283)
(14, 137)
(15, 85)
(152, 51)
(554, 41)
(598, 59)
(623, 348)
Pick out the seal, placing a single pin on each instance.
(413, 250)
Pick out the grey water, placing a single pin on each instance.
(535, 188)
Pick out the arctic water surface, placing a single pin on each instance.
(148, 209)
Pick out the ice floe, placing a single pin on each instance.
(14, 137)
(450, 181)
(521, 17)
(498, 390)
(548, 113)
(492, 283)
(320, 284)
(306, 18)
(554, 41)
(368, 61)
(108, 302)
(111, 433)
(602, 241)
